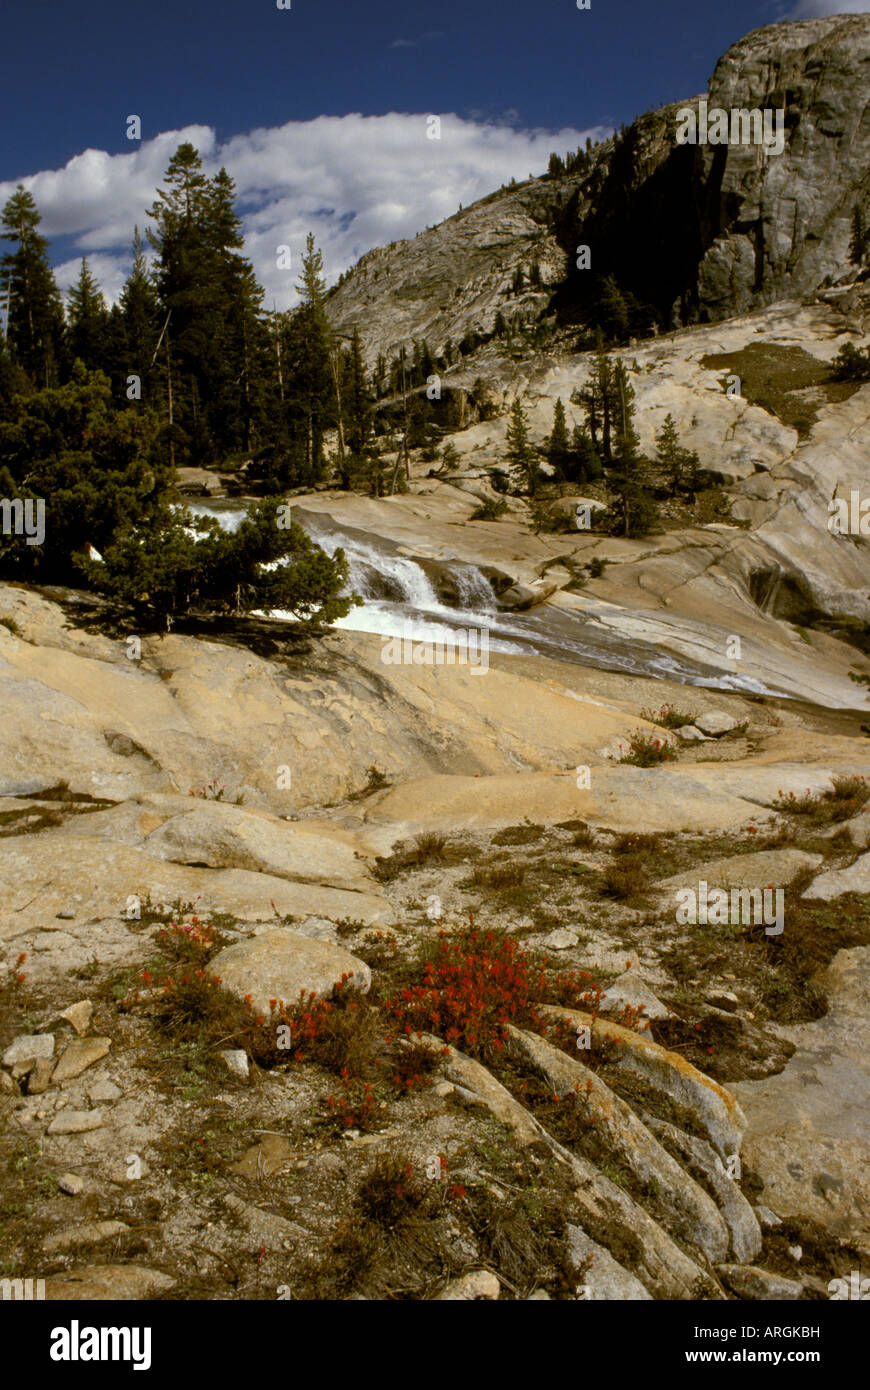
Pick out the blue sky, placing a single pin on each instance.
(252, 84)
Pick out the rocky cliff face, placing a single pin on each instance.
(455, 277)
(698, 232)
(781, 224)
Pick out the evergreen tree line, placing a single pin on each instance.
(98, 406)
(190, 340)
(605, 446)
(574, 162)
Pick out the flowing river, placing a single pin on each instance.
(400, 600)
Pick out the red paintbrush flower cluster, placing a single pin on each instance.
(478, 983)
(354, 1107)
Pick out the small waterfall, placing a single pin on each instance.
(399, 599)
(475, 591)
(377, 575)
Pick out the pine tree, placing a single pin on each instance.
(519, 282)
(88, 320)
(312, 384)
(427, 363)
(140, 313)
(597, 399)
(584, 463)
(611, 310)
(233, 392)
(184, 282)
(634, 506)
(859, 246)
(34, 328)
(379, 379)
(99, 468)
(555, 167)
(213, 344)
(521, 457)
(357, 403)
(680, 465)
(312, 286)
(557, 444)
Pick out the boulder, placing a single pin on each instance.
(602, 1279)
(665, 1269)
(714, 1108)
(700, 1158)
(559, 940)
(39, 1078)
(806, 1137)
(855, 878)
(858, 830)
(576, 510)
(750, 1282)
(40, 874)
(716, 722)
(76, 1121)
(22, 1052)
(231, 837)
(767, 868)
(520, 597)
(79, 1015)
(280, 964)
(477, 1284)
(630, 990)
(78, 1055)
(262, 1160)
(682, 1206)
(620, 798)
(107, 1283)
(91, 1233)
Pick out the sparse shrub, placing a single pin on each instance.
(340, 1033)
(194, 1004)
(636, 844)
(355, 1106)
(793, 804)
(193, 940)
(840, 841)
(499, 877)
(597, 566)
(345, 1036)
(430, 845)
(543, 519)
(645, 750)
(669, 717)
(490, 509)
(583, 837)
(851, 364)
(212, 791)
(623, 881)
(413, 1062)
(846, 798)
(575, 989)
(850, 788)
(784, 834)
(390, 1192)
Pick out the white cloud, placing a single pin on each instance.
(817, 9)
(354, 181)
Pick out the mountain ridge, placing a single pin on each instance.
(697, 233)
